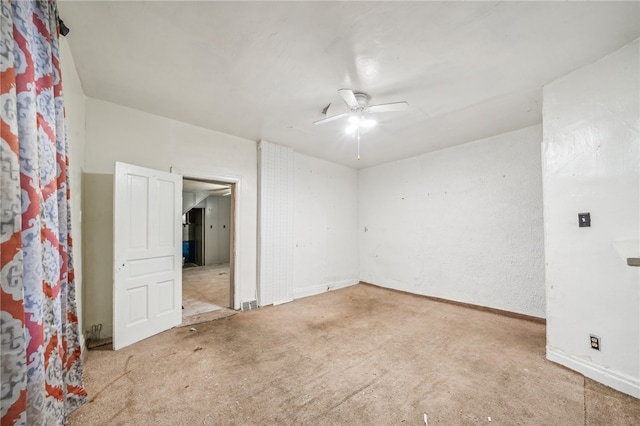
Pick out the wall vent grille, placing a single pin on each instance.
(252, 304)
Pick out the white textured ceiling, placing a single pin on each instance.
(265, 70)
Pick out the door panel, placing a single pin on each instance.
(138, 211)
(166, 215)
(147, 253)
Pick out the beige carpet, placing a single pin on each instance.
(204, 289)
(362, 355)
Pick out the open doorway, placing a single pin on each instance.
(207, 249)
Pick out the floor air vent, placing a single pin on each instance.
(252, 304)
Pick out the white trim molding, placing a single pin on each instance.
(618, 381)
(321, 288)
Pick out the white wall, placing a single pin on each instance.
(74, 101)
(117, 133)
(463, 223)
(192, 199)
(591, 164)
(325, 221)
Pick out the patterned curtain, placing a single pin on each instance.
(41, 355)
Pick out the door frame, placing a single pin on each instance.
(234, 261)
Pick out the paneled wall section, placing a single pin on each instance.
(275, 223)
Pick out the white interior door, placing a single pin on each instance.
(147, 293)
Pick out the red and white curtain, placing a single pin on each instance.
(41, 362)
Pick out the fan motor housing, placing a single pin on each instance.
(363, 100)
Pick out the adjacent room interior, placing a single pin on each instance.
(360, 212)
(206, 249)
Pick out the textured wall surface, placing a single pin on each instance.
(275, 227)
(464, 223)
(325, 253)
(591, 164)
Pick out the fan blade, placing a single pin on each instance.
(328, 119)
(394, 106)
(349, 98)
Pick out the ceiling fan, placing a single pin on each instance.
(359, 103)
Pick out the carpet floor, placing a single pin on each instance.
(362, 355)
(205, 289)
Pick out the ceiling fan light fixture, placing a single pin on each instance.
(351, 129)
(360, 121)
(358, 104)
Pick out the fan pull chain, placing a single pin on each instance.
(358, 130)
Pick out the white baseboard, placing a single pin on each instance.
(618, 381)
(321, 288)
